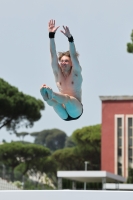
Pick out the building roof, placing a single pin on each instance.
(90, 176)
(116, 98)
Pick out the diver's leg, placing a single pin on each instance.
(73, 107)
(58, 108)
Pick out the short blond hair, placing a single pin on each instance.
(67, 53)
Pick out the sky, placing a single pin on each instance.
(101, 31)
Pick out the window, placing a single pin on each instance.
(119, 168)
(119, 146)
(130, 141)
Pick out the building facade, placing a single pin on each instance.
(117, 134)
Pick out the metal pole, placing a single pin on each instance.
(117, 185)
(86, 162)
(74, 185)
(84, 185)
(103, 183)
(3, 173)
(59, 183)
(23, 182)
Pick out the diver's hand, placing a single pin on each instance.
(66, 31)
(51, 26)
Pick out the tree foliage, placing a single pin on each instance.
(17, 108)
(52, 138)
(130, 175)
(22, 134)
(69, 142)
(89, 140)
(89, 135)
(88, 148)
(28, 156)
(130, 45)
(69, 159)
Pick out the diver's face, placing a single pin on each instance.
(65, 63)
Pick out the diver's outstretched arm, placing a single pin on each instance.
(73, 53)
(54, 60)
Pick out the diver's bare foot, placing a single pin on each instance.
(43, 91)
(49, 92)
(46, 92)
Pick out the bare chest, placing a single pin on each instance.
(69, 84)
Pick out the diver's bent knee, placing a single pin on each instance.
(67, 99)
(51, 103)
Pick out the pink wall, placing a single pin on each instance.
(109, 110)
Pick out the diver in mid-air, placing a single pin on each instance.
(67, 71)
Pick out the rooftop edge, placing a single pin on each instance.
(105, 98)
